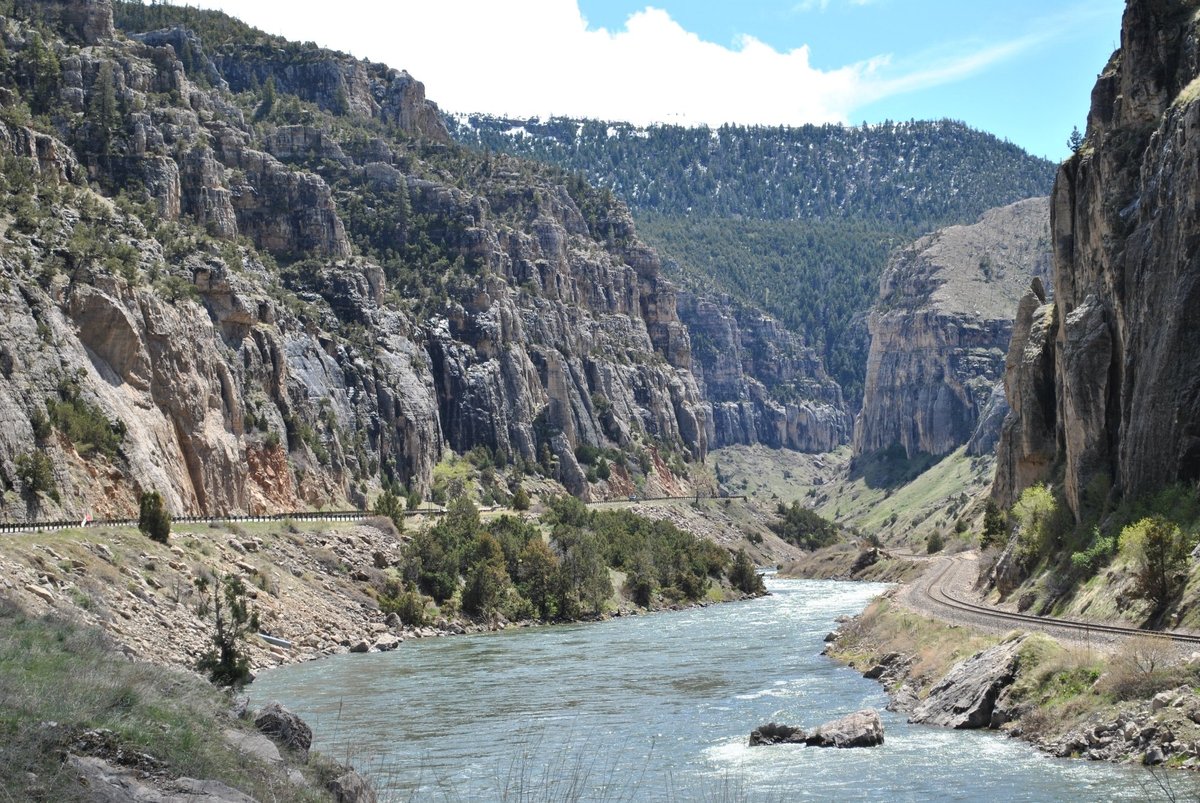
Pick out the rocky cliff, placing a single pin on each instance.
(255, 301)
(940, 329)
(1107, 383)
(760, 382)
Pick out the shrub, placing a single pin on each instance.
(995, 525)
(389, 505)
(1087, 561)
(408, 603)
(487, 579)
(936, 542)
(587, 454)
(743, 576)
(413, 500)
(1160, 550)
(520, 500)
(36, 473)
(153, 518)
(1142, 667)
(84, 424)
(803, 527)
(1040, 522)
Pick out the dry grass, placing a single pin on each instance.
(886, 628)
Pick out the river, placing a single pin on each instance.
(656, 708)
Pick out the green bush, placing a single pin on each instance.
(388, 504)
(587, 454)
(1089, 560)
(84, 424)
(1160, 550)
(227, 662)
(803, 527)
(413, 500)
(409, 604)
(1041, 522)
(36, 473)
(743, 576)
(995, 525)
(520, 500)
(936, 542)
(153, 518)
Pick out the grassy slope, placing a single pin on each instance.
(870, 496)
(59, 680)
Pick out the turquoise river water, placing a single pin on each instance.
(657, 708)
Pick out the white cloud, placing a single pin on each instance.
(539, 58)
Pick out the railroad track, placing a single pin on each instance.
(935, 591)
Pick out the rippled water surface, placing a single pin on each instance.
(655, 708)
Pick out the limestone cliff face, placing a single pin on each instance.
(940, 329)
(254, 334)
(1119, 359)
(760, 382)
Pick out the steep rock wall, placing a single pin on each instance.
(238, 384)
(940, 329)
(760, 382)
(1122, 358)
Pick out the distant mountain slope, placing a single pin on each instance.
(798, 221)
(915, 174)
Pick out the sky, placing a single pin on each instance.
(1020, 69)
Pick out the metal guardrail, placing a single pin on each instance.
(303, 515)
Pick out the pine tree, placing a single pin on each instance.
(104, 113)
(268, 99)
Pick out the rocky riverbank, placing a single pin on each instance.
(1135, 705)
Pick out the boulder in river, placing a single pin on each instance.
(860, 729)
(772, 733)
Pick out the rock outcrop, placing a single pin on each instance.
(1119, 356)
(940, 329)
(967, 696)
(295, 311)
(761, 383)
(285, 728)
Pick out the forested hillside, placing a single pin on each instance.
(798, 221)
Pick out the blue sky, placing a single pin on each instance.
(1020, 69)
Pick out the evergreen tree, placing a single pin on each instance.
(153, 518)
(227, 662)
(104, 113)
(267, 103)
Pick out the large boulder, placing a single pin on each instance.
(860, 729)
(772, 733)
(966, 697)
(287, 729)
